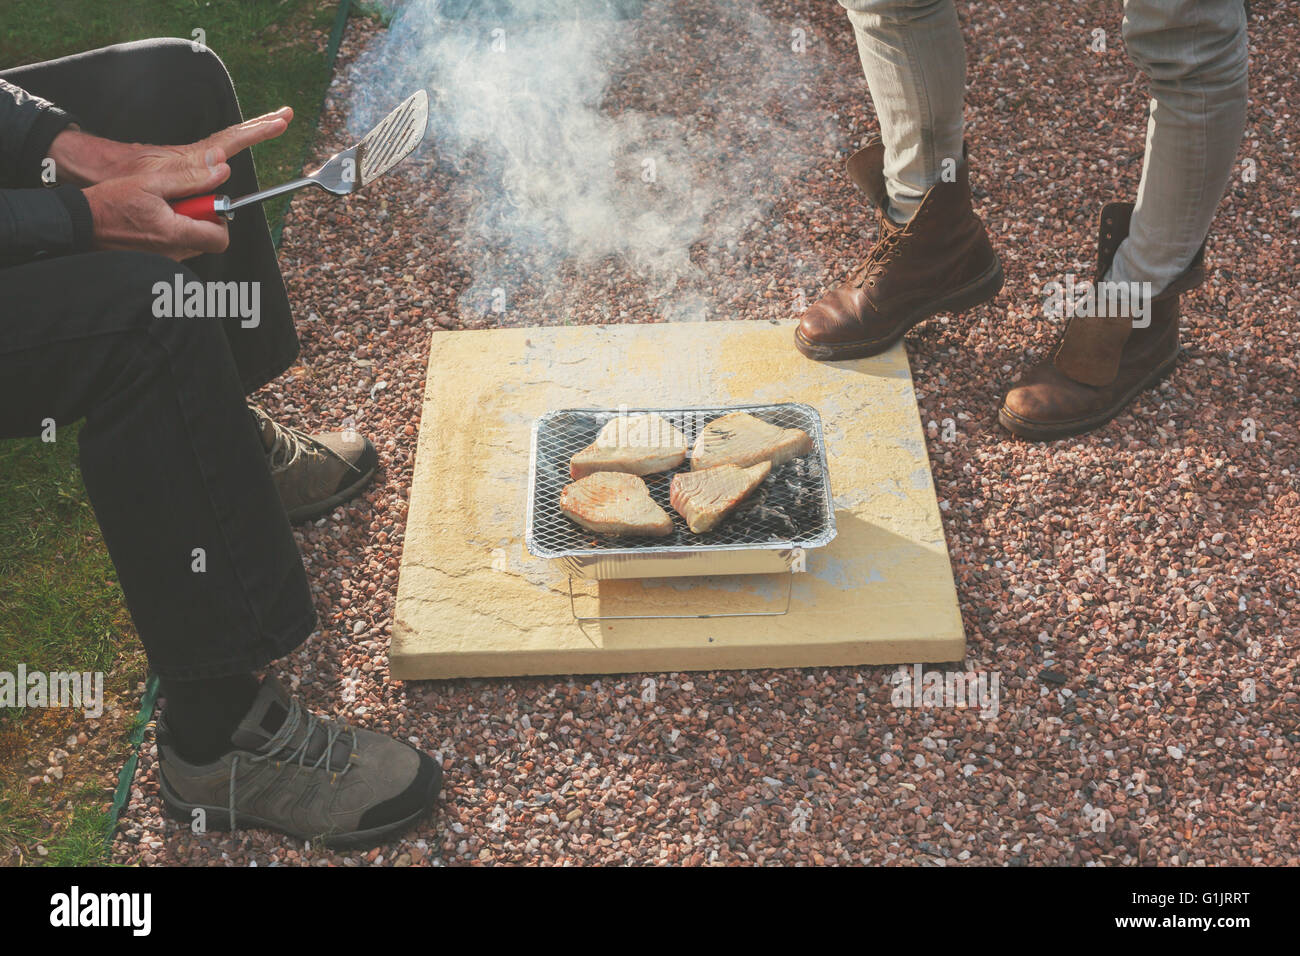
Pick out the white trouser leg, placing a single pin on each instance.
(915, 64)
(1194, 53)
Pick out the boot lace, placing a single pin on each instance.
(288, 444)
(312, 725)
(887, 245)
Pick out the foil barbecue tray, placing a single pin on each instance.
(788, 514)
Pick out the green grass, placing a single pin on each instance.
(74, 838)
(81, 841)
(60, 605)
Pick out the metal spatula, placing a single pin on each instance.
(382, 148)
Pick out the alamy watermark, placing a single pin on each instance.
(208, 300)
(74, 909)
(24, 688)
(973, 690)
(1092, 300)
(651, 429)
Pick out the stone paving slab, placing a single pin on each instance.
(472, 602)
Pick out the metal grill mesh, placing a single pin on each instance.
(791, 507)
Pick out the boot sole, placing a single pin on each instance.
(1038, 431)
(976, 292)
(218, 819)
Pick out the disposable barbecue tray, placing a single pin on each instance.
(788, 514)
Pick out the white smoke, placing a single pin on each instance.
(585, 145)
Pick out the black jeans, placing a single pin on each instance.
(171, 459)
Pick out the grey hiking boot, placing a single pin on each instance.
(314, 473)
(308, 777)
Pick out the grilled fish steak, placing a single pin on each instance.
(739, 438)
(705, 497)
(612, 502)
(634, 444)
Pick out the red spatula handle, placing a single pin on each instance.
(210, 208)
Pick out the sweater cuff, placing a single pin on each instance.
(83, 223)
(49, 123)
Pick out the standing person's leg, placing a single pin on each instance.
(932, 254)
(1194, 52)
(169, 92)
(914, 60)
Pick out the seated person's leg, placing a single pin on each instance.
(164, 92)
(167, 92)
(205, 555)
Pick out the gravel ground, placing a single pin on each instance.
(1148, 704)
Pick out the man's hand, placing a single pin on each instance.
(130, 183)
(85, 160)
(133, 212)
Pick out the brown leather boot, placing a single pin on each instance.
(940, 260)
(1101, 363)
